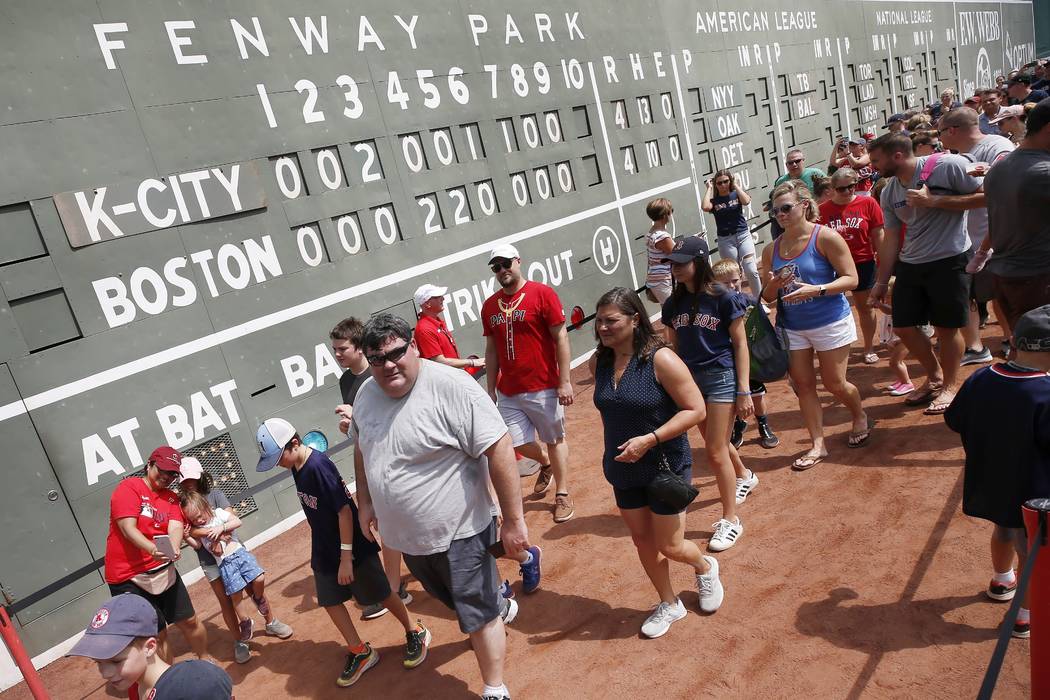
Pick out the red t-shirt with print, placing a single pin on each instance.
(854, 222)
(153, 510)
(520, 326)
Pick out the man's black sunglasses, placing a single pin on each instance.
(497, 266)
(392, 356)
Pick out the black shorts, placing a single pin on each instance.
(756, 388)
(982, 287)
(370, 585)
(464, 578)
(866, 275)
(634, 498)
(936, 292)
(173, 605)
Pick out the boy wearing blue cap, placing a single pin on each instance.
(122, 640)
(345, 563)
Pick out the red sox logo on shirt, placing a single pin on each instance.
(308, 500)
(703, 320)
(846, 226)
(100, 618)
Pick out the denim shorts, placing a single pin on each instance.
(238, 570)
(717, 384)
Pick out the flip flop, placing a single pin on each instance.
(871, 358)
(860, 439)
(937, 408)
(807, 462)
(930, 393)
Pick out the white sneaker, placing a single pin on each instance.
(745, 486)
(726, 535)
(657, 624)
(710, 587)
(510, 612)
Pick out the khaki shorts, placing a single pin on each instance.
(533, 414)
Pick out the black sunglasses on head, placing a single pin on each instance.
(497, 266)
(392, 356)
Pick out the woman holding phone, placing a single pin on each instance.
(809, 270)
(141, 509)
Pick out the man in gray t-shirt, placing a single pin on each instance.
(1019, 220)
(423, 432)
(961, 134)
(930, 198)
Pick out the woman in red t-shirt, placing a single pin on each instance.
(140, 509)
(858, 219)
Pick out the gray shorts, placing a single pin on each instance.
(464, 578)
(533, 414)
(1018, 536)
(370, 585)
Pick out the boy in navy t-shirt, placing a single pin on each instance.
(1002, 414)
(345, 562)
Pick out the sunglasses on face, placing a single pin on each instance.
(796, 161)
(722, 182)
(391, 356)
(783, 208)
(497, 266)
(846, 188)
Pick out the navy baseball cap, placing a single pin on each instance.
(194, 680)
(273, 435)
(119, 622)
(687, 248)
(894, 119)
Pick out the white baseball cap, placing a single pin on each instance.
(505, 251)
(191, 468)
(273, 436)
(428, 292)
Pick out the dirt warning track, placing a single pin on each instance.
(860, 578)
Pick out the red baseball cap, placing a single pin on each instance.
(166, 458)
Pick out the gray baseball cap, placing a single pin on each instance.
(1032, 332)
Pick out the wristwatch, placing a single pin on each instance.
(823, 290)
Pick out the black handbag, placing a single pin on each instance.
(767, 344)
(669, 488)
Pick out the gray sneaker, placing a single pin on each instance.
(278, 629)
(241, 653)
(371, 612)
(976, 357)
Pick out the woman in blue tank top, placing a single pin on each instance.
(807, 270)
(647, 401)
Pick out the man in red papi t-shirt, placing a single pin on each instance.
(433, 338)
(527, 356)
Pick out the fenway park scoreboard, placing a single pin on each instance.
(193, 194)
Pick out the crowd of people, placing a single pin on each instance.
(910, 236)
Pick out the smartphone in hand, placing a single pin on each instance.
(164, 546)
